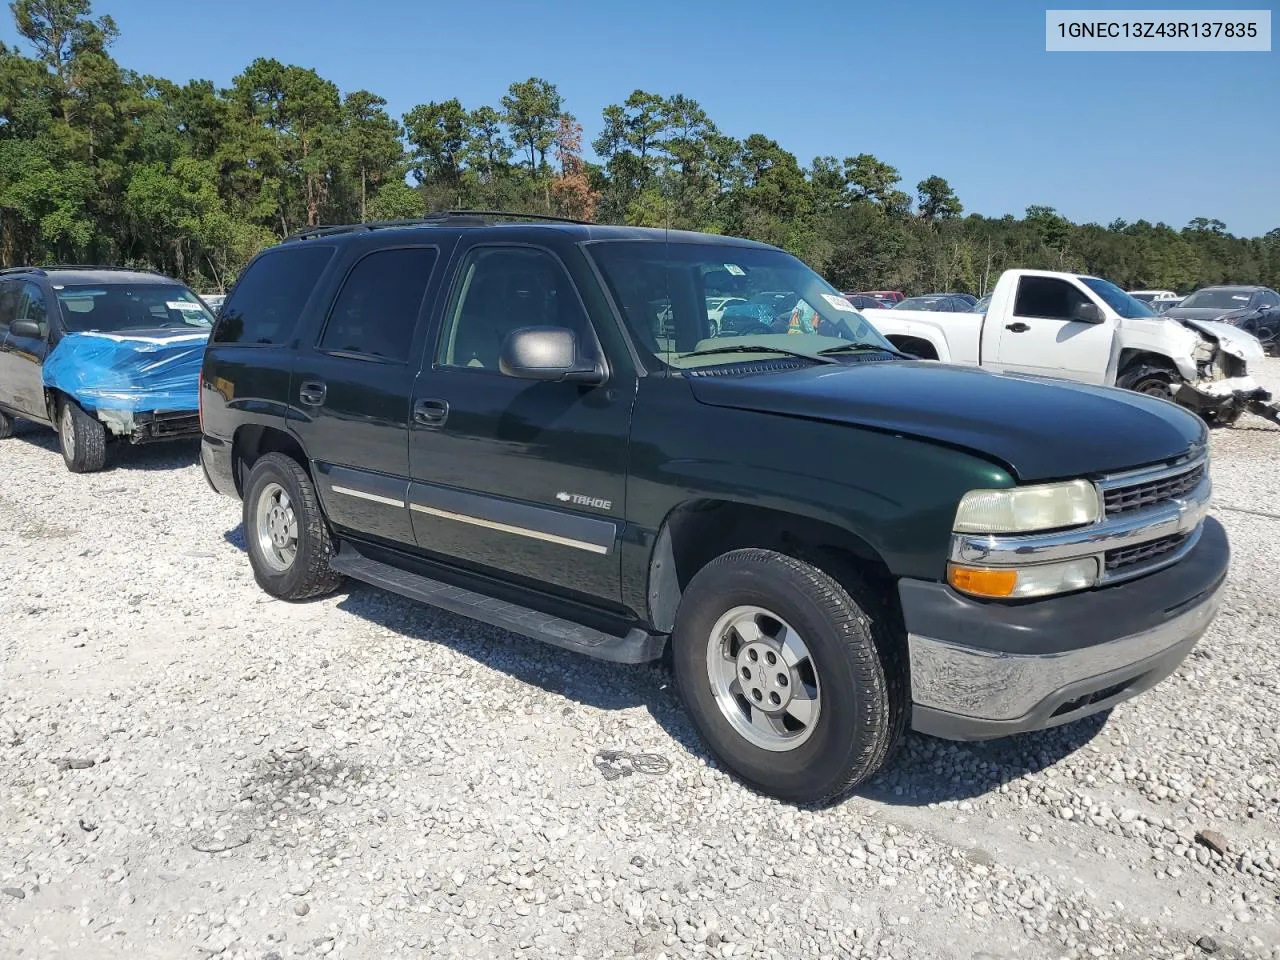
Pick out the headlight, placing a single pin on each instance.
(1023, 509)
(1032, 581)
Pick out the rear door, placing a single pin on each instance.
(518, 477)
(1043, 336)
(351, 385)
(25, 354)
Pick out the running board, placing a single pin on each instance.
(636, 647)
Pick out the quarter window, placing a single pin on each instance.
(377, 310)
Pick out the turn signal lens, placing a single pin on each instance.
(1034, 581)
(984, 583)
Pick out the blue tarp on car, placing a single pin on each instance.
(134, 373)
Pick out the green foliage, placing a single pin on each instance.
(100, 164)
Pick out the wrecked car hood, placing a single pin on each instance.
(1233, 340)
(1041, 428)
(142, 370)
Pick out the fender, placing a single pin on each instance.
(920, 325)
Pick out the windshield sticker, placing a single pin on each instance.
(181, 305)
(735, 270)
(840, 303)
(1237, 297)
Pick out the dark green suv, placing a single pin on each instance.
(539, 425)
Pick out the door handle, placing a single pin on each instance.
(312, 392)
(431, 413)
(1018, 327)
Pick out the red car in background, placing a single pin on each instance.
(893, 296)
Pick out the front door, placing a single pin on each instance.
(22, 354)
(518, 477)
(1044, 337)
(350, 387)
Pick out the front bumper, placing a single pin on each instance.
(981, 670)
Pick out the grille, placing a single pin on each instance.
(1140, 495)
(1144, 552)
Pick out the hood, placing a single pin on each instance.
(1203, 313)
(1039, 428)
(142, 370)
(1237, 342)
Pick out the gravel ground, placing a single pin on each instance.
(191, 769)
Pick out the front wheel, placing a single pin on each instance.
(1153, 380)
(287, 535)
(82, 438)
(793, 683)
(6, 426)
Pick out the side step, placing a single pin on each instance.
(636, 647)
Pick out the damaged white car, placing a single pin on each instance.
(1075, 327)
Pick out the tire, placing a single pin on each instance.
(82, 438)
(855, 668)
(6, 426)
(1151, 379)
(287, 535)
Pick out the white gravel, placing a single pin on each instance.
(190, 769)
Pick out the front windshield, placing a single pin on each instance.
(1117, 299)
(121, 307)
(1222, 299)
(668, 292)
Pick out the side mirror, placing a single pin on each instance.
(1088, 312)
(546, 353)
(26, 328)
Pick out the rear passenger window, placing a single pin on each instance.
(1048, 298)
(377, 308)
(10, 298)
(266, 302)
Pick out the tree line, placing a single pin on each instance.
(100, 164)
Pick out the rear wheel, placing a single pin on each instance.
(6, 426)
(83, 439)
(287, 535)
(792, 682)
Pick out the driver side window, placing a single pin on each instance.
(500, 290)
(1047, 298)
(33, 307)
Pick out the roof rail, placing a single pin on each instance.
(98, 266)
(453, 217)
(22, 270)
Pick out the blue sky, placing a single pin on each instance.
(963, 90)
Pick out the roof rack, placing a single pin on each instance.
(453, 217)
(22, 270)
(96, 266)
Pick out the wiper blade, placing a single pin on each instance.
(744, 348)
(865, 348)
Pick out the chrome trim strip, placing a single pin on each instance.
(995, 685)
(363, 495)
(1175, 516)
(509, 528)
(1134, 478)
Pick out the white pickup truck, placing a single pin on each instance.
(1084, 328)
